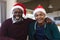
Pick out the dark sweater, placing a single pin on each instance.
(16, 31)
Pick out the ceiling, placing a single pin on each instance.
(31, 4)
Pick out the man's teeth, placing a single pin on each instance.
(17, 17)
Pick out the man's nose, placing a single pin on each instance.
(17, 14)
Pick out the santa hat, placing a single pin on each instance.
(39, 8)
(20, 6)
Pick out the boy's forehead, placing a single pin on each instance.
(39, 12)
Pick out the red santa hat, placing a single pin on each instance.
(39, 8)
(20, 6)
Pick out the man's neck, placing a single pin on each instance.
(14, 20)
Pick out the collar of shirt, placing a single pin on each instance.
(36, 24)
(14, 20)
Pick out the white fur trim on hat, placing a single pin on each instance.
(39, 9)
(18, 7)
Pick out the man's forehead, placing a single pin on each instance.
(17, 9)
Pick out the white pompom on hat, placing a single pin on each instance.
(39, 8)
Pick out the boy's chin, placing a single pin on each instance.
(40, 22)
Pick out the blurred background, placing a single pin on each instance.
(51, 6)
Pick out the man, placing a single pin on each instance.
(16, 27)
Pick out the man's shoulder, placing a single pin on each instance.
(8, 20)
(28, 20)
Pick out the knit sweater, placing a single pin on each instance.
(17, 30)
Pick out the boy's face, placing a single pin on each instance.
(40, 17)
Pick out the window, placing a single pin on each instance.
(2, 11)
(56, 18)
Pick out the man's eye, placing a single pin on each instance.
(15, 12)
(19, 12)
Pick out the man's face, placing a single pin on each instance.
(40, 17)
(17, 13)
